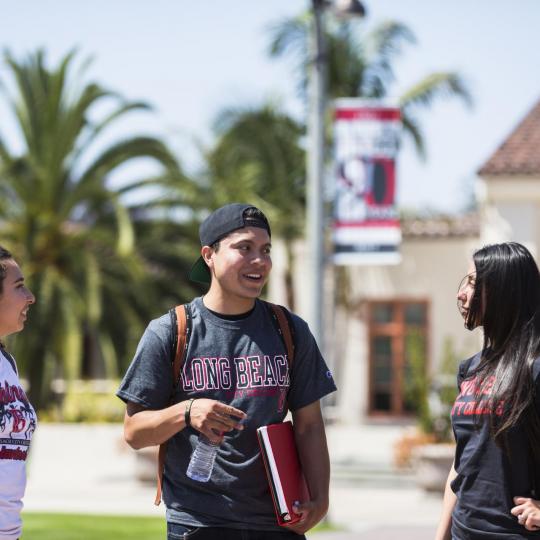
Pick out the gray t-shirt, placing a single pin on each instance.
(242, 363)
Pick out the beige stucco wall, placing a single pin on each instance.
(511, 210)
(430, 270)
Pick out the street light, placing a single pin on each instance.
(349, 8)
(315, 154)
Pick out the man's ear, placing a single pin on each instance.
(206, 253)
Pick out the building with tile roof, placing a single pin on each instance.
(373, 310)
(519, 154)
(510, 187)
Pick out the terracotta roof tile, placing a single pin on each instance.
(519, 154)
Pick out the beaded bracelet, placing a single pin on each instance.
(187, 412)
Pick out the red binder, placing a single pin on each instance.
(285, 477)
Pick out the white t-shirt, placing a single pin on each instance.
(17, 424)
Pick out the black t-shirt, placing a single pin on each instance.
(488, 477)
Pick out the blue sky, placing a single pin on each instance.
(191, 59)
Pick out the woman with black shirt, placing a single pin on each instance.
(493, 488)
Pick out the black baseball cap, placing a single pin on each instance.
(219, 224)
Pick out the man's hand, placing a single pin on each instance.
(312, 512)
(213, 418)
(144, 427)
(528, 512)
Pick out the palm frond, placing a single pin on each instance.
(412, 129)
(72, 230)
(441, 85)
(92, 180)
(383, 45)
(290, 38)
(388, 39)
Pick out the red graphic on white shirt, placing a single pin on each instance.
(17, 422)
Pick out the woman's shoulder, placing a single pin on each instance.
(469, 363)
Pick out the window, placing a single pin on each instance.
(398, 336)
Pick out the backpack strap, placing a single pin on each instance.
(181, 332)
(283, 323)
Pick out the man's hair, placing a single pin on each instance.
(254, 214)
(5, 255)
(250, 214)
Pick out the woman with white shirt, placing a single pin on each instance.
(17, 417)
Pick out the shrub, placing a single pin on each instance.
(86, 401)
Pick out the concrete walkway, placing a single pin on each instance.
(89, 469)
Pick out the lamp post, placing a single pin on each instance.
(315, 155)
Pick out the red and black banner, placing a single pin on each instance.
(366, 225)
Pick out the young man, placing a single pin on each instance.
(236, 371)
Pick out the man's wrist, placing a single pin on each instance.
(187, 412)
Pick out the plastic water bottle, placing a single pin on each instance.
(202, 460)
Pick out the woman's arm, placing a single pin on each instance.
(449, 501)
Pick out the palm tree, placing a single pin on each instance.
(68, 226)
(258, 158)
(362, 66)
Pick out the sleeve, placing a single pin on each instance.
(149, 379)
(10, 359)
(464, 367)
(311, 379)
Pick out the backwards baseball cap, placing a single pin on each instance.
(219, 224)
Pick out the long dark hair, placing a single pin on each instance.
(506, 302)
(5, 255)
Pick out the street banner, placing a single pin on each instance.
(366, 225)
